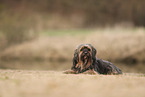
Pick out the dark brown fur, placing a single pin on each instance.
(85, 60)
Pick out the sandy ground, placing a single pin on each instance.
(24, 83)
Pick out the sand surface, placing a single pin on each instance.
(26, 83)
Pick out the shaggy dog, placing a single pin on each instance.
(85, 61)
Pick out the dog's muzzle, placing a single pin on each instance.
(85, 55)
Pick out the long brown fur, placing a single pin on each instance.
(87, 53)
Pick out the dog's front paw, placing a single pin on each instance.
(69, 72)
(92, 72)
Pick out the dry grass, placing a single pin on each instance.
(55, 52)
(111, 44)
(21, 83)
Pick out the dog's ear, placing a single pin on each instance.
(94, 52)
(76, 55)
(75, 59)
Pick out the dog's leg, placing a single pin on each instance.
(92, 72)
(70, 72)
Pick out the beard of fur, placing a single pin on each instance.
(81, 66)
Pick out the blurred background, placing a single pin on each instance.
(43, 34)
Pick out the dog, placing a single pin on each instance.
(85, 61)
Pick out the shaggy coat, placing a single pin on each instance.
(85, 59)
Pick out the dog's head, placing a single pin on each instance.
(84, 55)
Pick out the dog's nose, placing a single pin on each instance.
(85, 52)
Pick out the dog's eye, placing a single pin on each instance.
(81, 50)
(89, 50)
